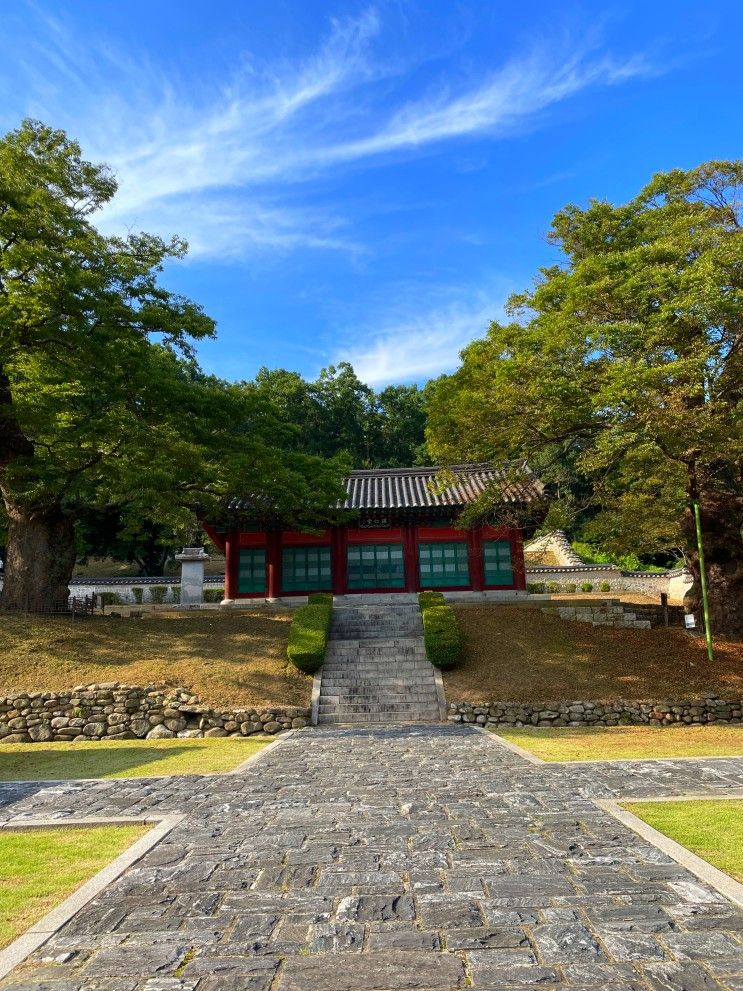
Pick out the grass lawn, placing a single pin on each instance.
(517, 654)
(228, 659)
(628, 742)
(711, 829)
(39, 868)
(124, 758)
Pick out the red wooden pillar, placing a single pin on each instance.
(273, 564)
(410, 557)
(477, 564)
(338, 565)
(517, 559)
(231, 554)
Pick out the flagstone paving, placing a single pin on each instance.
(424, 857)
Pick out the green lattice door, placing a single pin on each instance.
(443, 564)
(306, 569)
(251, 571)
(375, 566)
(498, 563)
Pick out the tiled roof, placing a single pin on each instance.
(418, 488)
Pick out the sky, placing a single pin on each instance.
(369, 182)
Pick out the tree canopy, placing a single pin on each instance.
(101, 401)
(338, 414)
(622, 372)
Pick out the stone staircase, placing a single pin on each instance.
(376, 671)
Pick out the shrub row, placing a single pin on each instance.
(157, 595)
(309, 632)
(440, 630)
(539, 588)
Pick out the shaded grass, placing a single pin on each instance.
(628, 742)
(229, 659)
(124, 758)
(711, 829)
(41, 867)
(516, 653)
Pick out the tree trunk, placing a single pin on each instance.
(722, 518)
(40, 558)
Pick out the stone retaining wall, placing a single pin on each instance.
(119, 712)
(709, 709)
(614, 613)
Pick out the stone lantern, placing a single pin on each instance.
(192, 575)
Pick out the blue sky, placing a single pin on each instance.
(369, 182)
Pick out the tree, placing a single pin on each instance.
(338, 414)
(628, 360)
(101, 402)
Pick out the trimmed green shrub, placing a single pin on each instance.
(213, 594)
(569, 587)
(157, 593)
(138, 594)
(308, 636)
(110, 598)
(441, 636)
(176, 593)
(553, 587)
(604, 587)
(535, 588)
(586, 587)
(428, 599)
(320, 598)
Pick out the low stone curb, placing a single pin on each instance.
(43, 930)
(702, 869)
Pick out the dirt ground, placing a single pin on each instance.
(518, 654)
(229, 659)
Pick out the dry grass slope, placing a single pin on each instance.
(517, 654)
(232, 659)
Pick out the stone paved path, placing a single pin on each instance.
(406, 858)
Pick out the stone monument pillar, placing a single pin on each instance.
(192, 575)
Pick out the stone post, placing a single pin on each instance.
(192, 575)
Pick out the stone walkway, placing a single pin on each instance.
(406, 858)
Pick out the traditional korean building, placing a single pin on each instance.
(399, 535)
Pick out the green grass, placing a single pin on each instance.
(39, 868)
(711, 829)
(123, 758)
(628, 742)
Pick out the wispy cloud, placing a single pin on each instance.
(416, 344)
(219, 166)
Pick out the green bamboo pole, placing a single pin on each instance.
(703, 578)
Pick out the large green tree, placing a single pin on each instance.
(101, 403)
(626, 361)
(337, 413)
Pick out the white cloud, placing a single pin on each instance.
(217, 166)
(413, 346)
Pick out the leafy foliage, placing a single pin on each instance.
(339, 414)
(428, 599)
(622, 371)
(441, 636)
(308, 636)
(102, 406)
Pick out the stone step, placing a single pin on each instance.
(391, 708)
(373, 719)
(363, 677)
(376, 718)
(395, 694)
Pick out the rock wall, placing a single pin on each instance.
(613, 613)
(709, 709)
(120, 712)
(674, 583)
